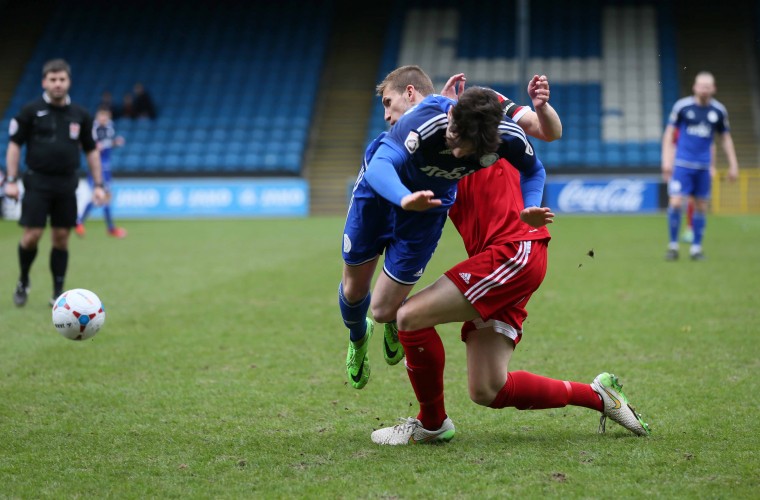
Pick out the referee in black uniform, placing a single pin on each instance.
(53, 129)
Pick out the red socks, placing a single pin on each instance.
(527, 391)
(425, 359)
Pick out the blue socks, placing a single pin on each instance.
(699, 221)
(354, 315)
(87, 209)
(674, 224)
(109, 219)
(106, 213)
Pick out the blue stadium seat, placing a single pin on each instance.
(570, 44)
(198, 59)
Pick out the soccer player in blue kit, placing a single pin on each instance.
(402, 194)
(105, 136)
(687, 169)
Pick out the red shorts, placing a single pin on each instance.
(498, 283)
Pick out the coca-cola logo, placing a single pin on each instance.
(619, 195)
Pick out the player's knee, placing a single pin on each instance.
(383, 313)
(482, 394)
(30, 239)
(407, 319)
(354, 292)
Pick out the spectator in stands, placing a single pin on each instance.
(686, 163)
(143, 102)
(55, 132)
(127, 109)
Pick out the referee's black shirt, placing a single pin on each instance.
(53, 135)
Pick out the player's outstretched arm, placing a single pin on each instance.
(537, 216)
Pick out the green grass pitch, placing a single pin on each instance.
(220, 371)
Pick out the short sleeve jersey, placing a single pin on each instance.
(420, 137)
(696, 126)
(104, 136)
(54, 136)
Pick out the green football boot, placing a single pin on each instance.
(617, 406)
(357, 359)
(393, 351)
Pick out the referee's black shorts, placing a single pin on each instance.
(49, 196)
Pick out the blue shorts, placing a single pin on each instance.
(374, 225)
(694, 182)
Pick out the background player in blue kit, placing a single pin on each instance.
(105, 136)
(409, 238)
(686, 164)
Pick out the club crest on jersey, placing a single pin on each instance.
(412, 142)
(74, 131)
(712, 117)
(488, 159)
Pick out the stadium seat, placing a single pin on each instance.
(201, 78)
(602, 59)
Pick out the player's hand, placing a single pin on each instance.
(11, 190)
(538, 90)
(420, 201)
(99, 195)
(537, 216)
(454, 86)
(667, 172)
(733, 174)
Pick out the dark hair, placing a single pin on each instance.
(398, 79)
(54, 66)
(475, 120)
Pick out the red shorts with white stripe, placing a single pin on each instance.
(498, 282)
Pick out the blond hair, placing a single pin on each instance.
(398, 79)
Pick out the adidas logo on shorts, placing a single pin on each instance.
(466, 277)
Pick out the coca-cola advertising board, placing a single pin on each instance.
(603, 195)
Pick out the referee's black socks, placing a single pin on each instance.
(59, 261)
(25, 259)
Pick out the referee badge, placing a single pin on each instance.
(74, 131)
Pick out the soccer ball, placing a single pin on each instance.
(78, 314)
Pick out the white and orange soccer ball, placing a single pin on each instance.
(78, 314)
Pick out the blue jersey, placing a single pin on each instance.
(425, 162)
(104, 135)
(696, 126)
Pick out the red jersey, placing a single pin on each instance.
(487, 209)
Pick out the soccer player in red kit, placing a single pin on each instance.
(489, 292)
